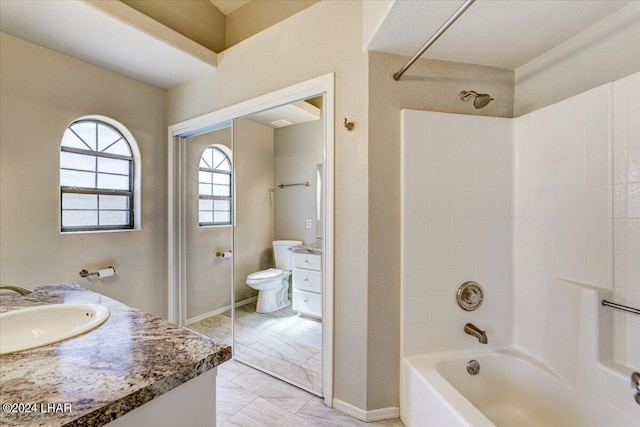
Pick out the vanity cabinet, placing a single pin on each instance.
(307, 284)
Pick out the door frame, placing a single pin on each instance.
(177, 134)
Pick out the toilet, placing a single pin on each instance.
(272, 284)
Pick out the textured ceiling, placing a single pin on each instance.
(500, 33)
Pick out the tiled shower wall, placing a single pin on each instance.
(626, 155)
(456, 188)
(562, 246)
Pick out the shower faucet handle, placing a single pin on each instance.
(635, 386)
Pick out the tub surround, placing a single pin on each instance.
(133, 358)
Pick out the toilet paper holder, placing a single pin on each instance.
(86, 273)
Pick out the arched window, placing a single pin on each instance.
(99, 183)
(214, 186)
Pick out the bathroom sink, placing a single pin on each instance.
(38, 326)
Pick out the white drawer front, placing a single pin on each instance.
(307, 261)
(307, 303)
(307, 280)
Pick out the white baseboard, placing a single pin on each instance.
(366, 416)
(219, 310)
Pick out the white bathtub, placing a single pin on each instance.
(511, 390)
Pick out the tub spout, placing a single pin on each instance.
(474, 331)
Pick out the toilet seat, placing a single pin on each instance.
(266, 275)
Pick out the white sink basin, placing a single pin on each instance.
(38, 326)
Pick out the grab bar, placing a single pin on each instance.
(620, 307)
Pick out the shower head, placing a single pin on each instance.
(481, 99)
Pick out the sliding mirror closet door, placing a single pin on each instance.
(207, 172)
(278, 250)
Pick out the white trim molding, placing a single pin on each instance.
(366, 416)
(320, 86)
(220, 310)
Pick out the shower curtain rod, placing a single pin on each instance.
(433, 39)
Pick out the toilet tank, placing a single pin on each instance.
(282, 254)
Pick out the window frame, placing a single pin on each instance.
(227, 154)
(133, 193)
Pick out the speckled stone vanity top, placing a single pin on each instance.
(97, 377)
(308, 248)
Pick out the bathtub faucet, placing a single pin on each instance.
(474, 331)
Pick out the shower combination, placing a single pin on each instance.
(481, 99)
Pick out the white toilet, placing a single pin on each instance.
(272, 284)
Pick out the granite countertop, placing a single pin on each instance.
(308, 248)
(101, 375)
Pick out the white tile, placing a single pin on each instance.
(440, 126)
(440, 282)
(441, 257)
(540, 150)
(440, 204)
(597, 202)
(570, 203)
(416, 203)
(597, 137)
(620, 201)
(439, 308)
(570, 113)
(620, 96)
(440, 231)
(597, 169)
(464, 178)
(415, 309)
(569, 173)
(620, 236)
(633, 237)
(415, 283)
(597, 234)
(542, 177)
(415, 128)
(493, 230)
(464, 229)
(415, 336)
(439, 334)
(571, 263)
(597, 268)
(570, 232)
(633, 163)
(442, 152)
(597, 102)
(570, 143)
(633, 129)
(416, 257)
(441, 178)
(416, 176)
(619, 132)
(633, 201)
(633, 92)
(416, 229)
(493, 204)
(463, 203)
(632, 269)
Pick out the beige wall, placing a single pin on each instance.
(198, 20)
(429, 85)
(323, 38)
(208, 277)
(298, 151)
(606, 51)
(41, 93)
(253, 233)
(258, 15)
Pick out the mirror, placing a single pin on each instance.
(207, 205)
(269, 181)
(277, 263)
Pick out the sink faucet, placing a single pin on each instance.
(474, 331)
(16, 288)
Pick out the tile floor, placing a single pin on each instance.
(248, 397)
(281, 342)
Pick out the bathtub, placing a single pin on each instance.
(510, 390)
